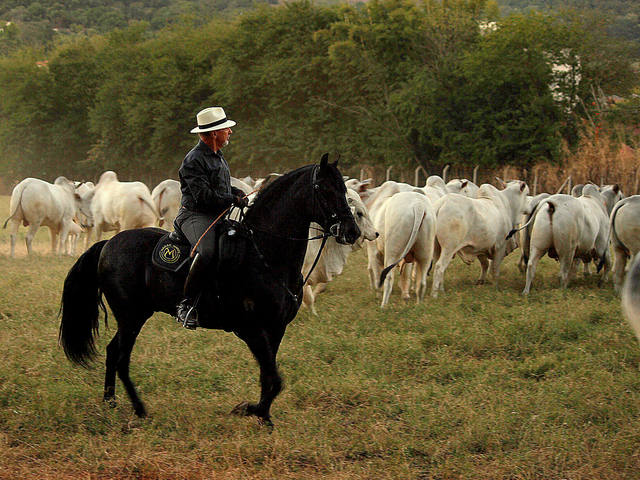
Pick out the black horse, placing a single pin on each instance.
(256, 300)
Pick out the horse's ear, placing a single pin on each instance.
(324, 160)
(335, 164)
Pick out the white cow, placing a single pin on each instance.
(476, 227)
(75, 231)
(611, 195)
(166, 197)
(463, 186)
(35, 202)
(242, 185)
(530, 209)
(85, 190)
(381, 193)
(568, 229)
(334, 255)
(631, 295)
(625, 235)
(406, 223)
(121, 205)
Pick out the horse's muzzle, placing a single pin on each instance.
(345, 234)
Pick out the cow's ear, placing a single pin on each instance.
(364, 185)
(616, 188)
(463, 184)
(522, 186)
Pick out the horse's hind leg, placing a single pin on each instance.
(119, 357)
(110, 374)
(264, 346)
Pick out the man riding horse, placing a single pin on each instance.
(205, 182)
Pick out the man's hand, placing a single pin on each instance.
(241, 201)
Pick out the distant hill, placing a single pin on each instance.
(36, 23)
(624, 15)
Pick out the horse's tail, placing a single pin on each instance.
(81, 299)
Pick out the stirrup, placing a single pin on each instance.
(191, 319)
(187, 316)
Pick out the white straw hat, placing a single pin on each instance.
(212, 118)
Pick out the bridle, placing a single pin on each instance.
(319, 203)
(319, 199)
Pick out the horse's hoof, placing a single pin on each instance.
(140, 411)
(110, 402)
(265, 422)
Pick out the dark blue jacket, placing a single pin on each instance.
(205, 181)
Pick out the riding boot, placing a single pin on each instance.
(186, 312)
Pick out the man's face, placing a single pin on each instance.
(222, 136)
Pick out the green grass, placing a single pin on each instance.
(479, 383)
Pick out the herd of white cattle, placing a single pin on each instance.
(408, 230)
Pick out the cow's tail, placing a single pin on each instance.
(417, 221)
(79, 309)
(613, 235)
(152, 206)
(160, 208)
(17, 205)
(532, 215)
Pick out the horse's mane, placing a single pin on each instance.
(276, 188)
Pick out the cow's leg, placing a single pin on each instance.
(606, 266)
(63, 244)
(31, 233)
(585, 269)
(319, 288)
(484, 264)
(264, 345)
(619, 265)
(387, 287)
(374, 266)
(406, 272)
(535, 255)
(438, 272)
(87, 239)
(420, 269)
(13, 233)
(495, 264)
(308, 299)
(566, 261)
(53, 232)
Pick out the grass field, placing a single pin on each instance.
(477, 384)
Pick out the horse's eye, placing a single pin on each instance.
(360, 214)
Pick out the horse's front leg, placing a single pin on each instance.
(264, 344)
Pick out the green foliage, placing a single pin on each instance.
(387, 82)
(622, 15)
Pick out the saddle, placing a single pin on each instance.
(171, 253)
